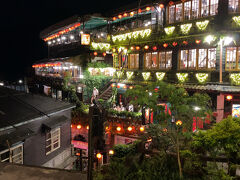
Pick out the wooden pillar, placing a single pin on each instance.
(220, 107)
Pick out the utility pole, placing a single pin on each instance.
(90, 146)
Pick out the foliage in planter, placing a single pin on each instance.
(98, 65)
(124, 113)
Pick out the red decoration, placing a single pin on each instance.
(119, 16)
(161, 6)
(185, 42)
(154, 48)
(46, 65)
(171, 3)
(62, 32)
(125, 15)
(137, 48)
(165, 45)
(198, 41)
(114, 18)
(174, 44)
(139, 11)
(95, 53)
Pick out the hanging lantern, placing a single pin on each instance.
(71, 125)
(114, 50)
(107, 128)
(171, 3)
(104, 54)
(95, 53)
(130, 87)
(79, 126)
(119, 128)
(130, 128)
(179, 123)
(161, 6)
(120, 16)
(174, 44)
(139, 11)
(148, 8)
(198, 41)
(185, 42)
(154, 48)
(141, 129)
(229, 97)
(114, 18)
(99, 155)
(132, 48)
(165, 45)
(113, 85)
(132, 13)
(146, 47)
(87, 127)
(137, 48)
(125, 15)
(111, 152)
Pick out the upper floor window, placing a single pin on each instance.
(198, 59)
(192, 9)
(232, 58)
(133, 61)
(14, 155)
(158, 60)
(233, 6)
(52, 140)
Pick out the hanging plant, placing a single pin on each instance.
(185, 28)
(202, 25)
(119, 74)
(236, 20)
(146, 75)
(182, 77)
(235, 77)
(160, 75)
(169, 30)
(202, 77)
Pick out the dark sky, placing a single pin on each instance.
(22, 21)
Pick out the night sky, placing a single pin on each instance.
(22, 21)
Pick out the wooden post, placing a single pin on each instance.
(90, 147)
(220, 62)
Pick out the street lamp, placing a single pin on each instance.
(20, 81)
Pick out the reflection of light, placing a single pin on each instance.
(20, 81)
(209, 39)
(1, 84)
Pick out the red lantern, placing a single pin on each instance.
(132, 48)
(125, 15)
(161, 6)
(131, 13)
(171, 3)
(139, 11)
(114, 18)
(198, 41)
(130, 128)
(154, 48)
(185, 42)
(174, 44)
(137, 48)
(95, 53)
(119, 128)
(165, 45)
(119, 16)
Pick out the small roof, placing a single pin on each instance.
(54, 122)
(17, 107)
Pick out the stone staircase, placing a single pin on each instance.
(106, 94)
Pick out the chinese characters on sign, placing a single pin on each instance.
(85, 39)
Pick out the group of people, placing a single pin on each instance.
(120, 107)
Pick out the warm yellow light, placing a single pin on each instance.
(130, 128)
(111, 152)
(79, 126)
(99, 156)
(179, 123)
(142, 128)
(87, 127)
(119, 128)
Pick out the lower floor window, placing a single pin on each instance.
(158, 60)
(14, 155)
(133, 61)
(52, 140)
(232, 58)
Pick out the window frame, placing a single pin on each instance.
(11, 156)
(197, 60)
(136, 58)
(237, 7)
(237, 67)
(52, 142)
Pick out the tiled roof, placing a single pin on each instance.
(211, 87)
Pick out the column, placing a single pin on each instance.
(220, 107)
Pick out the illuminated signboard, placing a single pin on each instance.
(236, 110)
(85, 39)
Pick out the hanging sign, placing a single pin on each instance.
(85, 39)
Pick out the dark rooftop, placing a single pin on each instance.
(18, 107)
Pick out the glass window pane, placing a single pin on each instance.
(132, 59)
(178, 12)
(233, 6)
(212, 58)
(168, 59)
(213, 7)
(136, 61)
(187, 10)
(171, 14)
(148, 61)
(231, 58)
(162, 58)
(205, 8)
(154, 59)
(202, 58)
(4, 157)
(124, 61)
(17, 151)
(183, 60)
(48, 149)
(48, 135)
(195, 9)
(192, 58)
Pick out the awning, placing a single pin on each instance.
(54, 122)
